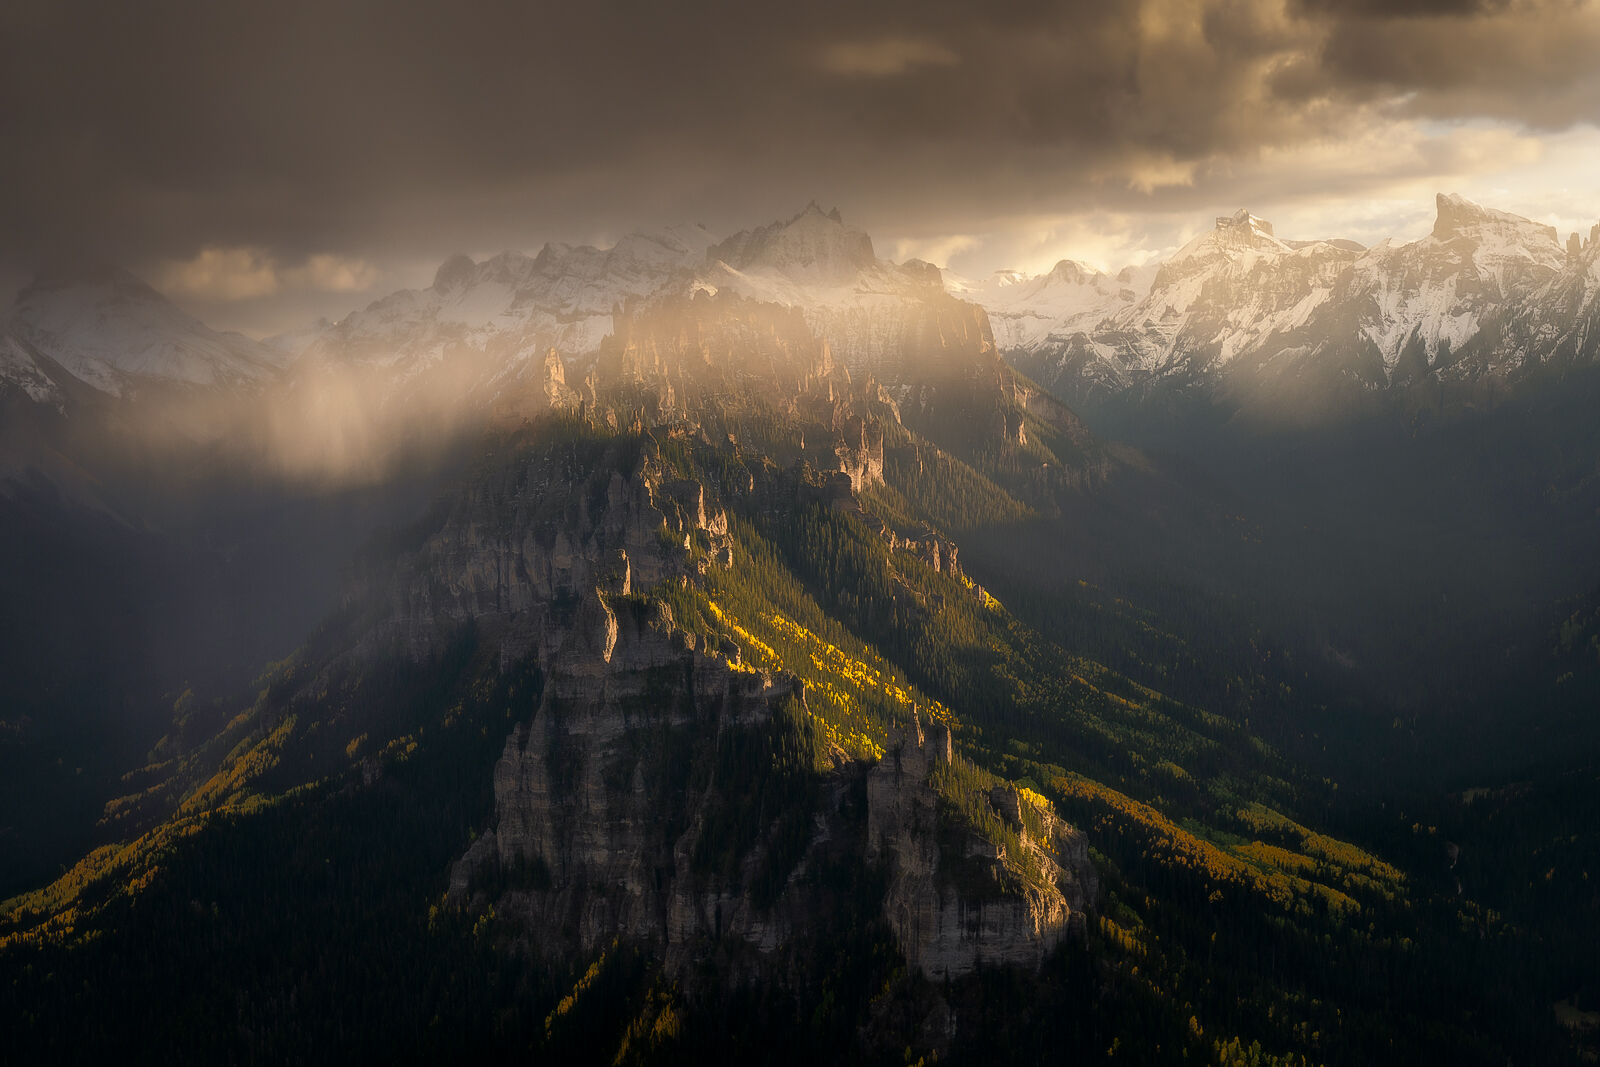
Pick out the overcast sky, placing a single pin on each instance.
(267, 162)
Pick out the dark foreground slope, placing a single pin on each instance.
(683, 729)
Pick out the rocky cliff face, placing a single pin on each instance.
(1555, 329)
(630, 807)
(526, 541)
(706, 342)
(612, 804)
(956, 899)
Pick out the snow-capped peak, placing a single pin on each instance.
(1242, 220)
(672, 247)
(1025, 311)
(114, 332)
(518, 305)
(1498, 242)
(814, 247)
(1458, 216)
(1233, 234)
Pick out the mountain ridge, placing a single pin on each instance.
(1243, 321)
(1237, 315)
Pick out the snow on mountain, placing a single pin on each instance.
(291, 343)
(1224, 293)
(1432, 295)
(862, 306)
(1236, 235)
(1029, 311)
(813, 249)
(116, 334)
(21, 373)
(1241, 312)
(1559, 325)
(511, 307)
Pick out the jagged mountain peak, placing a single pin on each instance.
(814, 208)
(813, 245)
(1244, 220)
(1459, 217)
(655, 250)
(512, 307)
(1233, 234)
(1073, 272)
(1026, 310)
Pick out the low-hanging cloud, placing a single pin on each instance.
(228, 274)
(886, 57)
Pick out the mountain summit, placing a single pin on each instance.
(112, 331)
(1459, 217)
(813, 247)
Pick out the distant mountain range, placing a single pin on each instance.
(1315, 329)
(1238, 320)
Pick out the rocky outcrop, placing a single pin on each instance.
(611, 803)
(543, 388)
(955, 899)
(860, 452)
(526, 541)
(613, 818)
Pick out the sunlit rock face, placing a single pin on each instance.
(607, 804)
(956, 900)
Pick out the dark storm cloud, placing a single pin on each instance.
(1397, 9)
(1533, 64)
(150, 131)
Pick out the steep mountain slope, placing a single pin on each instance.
(145, 495)
(1556, 329)
(870, 311)
(111, 331)
(1427, 298)
(23, 375)
(1227, 294)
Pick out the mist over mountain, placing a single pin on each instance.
(722, 647)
